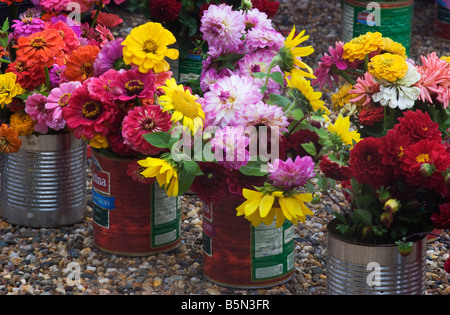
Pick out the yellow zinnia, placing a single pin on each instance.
(165, 174)
(362, 45)
(183, 105)
(9, 88)
(341, 129)
(299, 83)
(394, 47)
(342, 97)
(263, 208)
(22, 122)
(291, 54)
(146, 47)
(388, 67)
(99, 142)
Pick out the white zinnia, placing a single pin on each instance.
(400, 93)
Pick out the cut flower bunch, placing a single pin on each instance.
(396, 177)
(45, 55)
(263, 122)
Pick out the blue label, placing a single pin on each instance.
(104, 202)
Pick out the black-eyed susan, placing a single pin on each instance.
(165, 173)
(265, 207)
(146, 47)
(182, 104)
(341, 129)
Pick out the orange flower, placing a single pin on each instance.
(22, 122)
(41, 48)
(79, 66)
(9, 139)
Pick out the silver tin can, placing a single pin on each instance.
(44, 183)
(359, 269)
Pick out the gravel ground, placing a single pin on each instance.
(36, 261)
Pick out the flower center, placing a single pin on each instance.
(87, 69)
(38, 42)
(148, 124)
(185, 104)
(224, 95)
(64, 99)
(400, 148)
(423, 158)
(256, 68)
(134, 87)
(91, 110)
(150, 46)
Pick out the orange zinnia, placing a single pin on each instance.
(79, 66)
(9, 139)
(41, 48)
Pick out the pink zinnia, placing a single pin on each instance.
(325, 74)
(142, 120)
(56, 6)
(434, 80)
(27, 26)
(35, 107)
(364, 88)
(59, 98)
(101, 88)
(88, 116)
(131, 84)
(115, 138)
(291, 174)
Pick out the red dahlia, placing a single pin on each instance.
(334, 170)
(165, 10)
(212, 186)
(370, 116)
(442, 220)
(392, 146)
(418, 125)
(237, 181)
(269, 7)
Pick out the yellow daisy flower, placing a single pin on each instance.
(9, 88)
(299, 83)
(446, 58)
(341, 129)
(388, 67)
(264, 208)
(165, 174)
(291, 54)
(183, 105)
(146, 47)
(341, 97)
(362, 45)
(394, 47)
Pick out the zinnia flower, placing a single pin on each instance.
(291, 174)
(165, 173)
(146, 47)
(99, 142)
(27, 26)
(109, 57)
(59, 98)
(182, 105)
(131, 84)
(80, 63)
(135, 170)
(41, 48)
(360, 46)
(164, 10)
(237, 181)
(9, 88)
(363, 90)
(342, 129)
(22, 122)
(142, 120)
(9, 139)
(35, 107)
(341, 97)
(393, 47)
(68, 35)
(388, 67)
(28, 77)
(326, 73)
(108, 20)
(115, 137)
(264, 207)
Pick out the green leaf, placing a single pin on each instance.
(363, 215)
(277, 77)
(310, 148)
(160, 139)
(253, 168)
(185, 180)
(340, 217)
(298, 114)
(192, 168)
(279, 100)
(259, 75)
(5, 26)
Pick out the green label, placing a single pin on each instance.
(166, 218)
(207, 244)
(100, 216)
(190, 67)
(272, 250)
(443, 14)
(395, 23)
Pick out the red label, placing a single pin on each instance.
(209, 229)
(100, 180)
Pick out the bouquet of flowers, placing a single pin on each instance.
(46, 56)
(255, 97)
(396, 176)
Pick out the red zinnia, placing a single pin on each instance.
(269, 7)
(370, 116)
(88, 116)
(418, 125)
(107, 19)
(134, 171)
(365, 163)
(165, 10)
(28, 77)
(424, 163)
(334, 170)
(68, 35)
(442, 220)
(115, 138)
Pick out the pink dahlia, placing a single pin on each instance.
(35, 107)
(255, 18)
(262, 114)
(326, 74)
(364, 88)
(131, 84)
(230, 146)
(59, 98)
(88, 116)
(142, 120)
(263, 38)
(291, 174)
(222, 26)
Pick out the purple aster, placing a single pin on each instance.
(291, 174)
(109, 55)
(27, 26)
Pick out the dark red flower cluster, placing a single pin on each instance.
(269, 7)
(334, 170)
(370, 116)
(413, 151)
(165, 10)
(291, 146)
(442, 220)
(212, 185)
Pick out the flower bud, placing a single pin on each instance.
(383, 196)
(392, 205)
(246, 5)
(404, 248)
(367, 230)
(386, 219)
(426, 169)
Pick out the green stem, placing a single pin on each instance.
(97, 13)
(366, 62)
(4, 61)
(47, 79)
(346, 76)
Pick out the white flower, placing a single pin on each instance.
(400, 93)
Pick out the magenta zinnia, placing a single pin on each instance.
(131, 84)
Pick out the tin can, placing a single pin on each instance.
(239, 255)
(130, 218)
(442, 20)
(360, 269)
(392, 19)
(44, 183)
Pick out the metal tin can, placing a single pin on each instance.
(239, 255)
(44, 183)
(442, 20)
(130, 218)
(360, 269)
